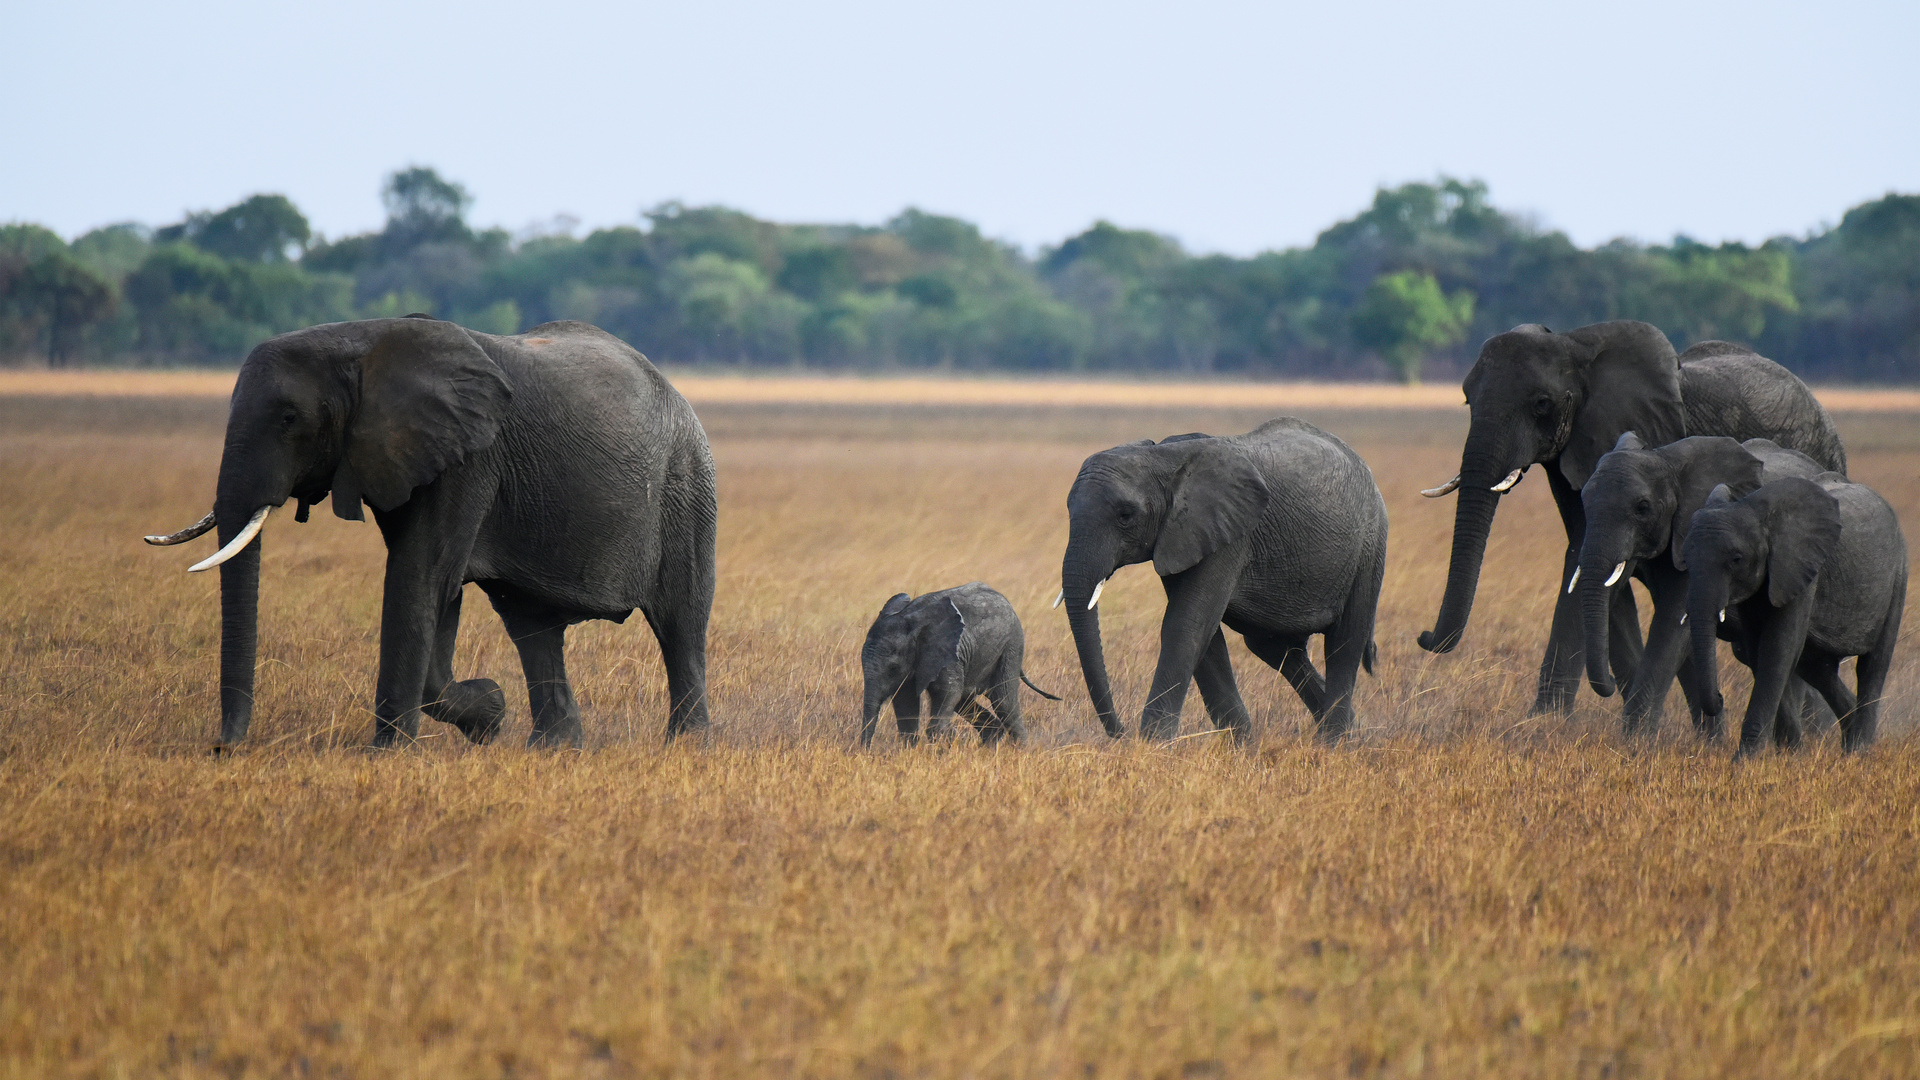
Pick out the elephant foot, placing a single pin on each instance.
(1549, 703)
(475, 706)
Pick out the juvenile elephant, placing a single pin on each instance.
(1639, 504)
(1562, 400)
(952, 646)
(1279, 533)
(556, 468)
(1813, 571)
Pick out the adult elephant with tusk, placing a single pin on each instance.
(1563, 400)
(1279, 534)
(556, 468)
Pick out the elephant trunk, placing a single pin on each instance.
(1081, 575)
(1596, 572)
(1472, 521)
(239, 628)
(1706, 599)
(876, 696)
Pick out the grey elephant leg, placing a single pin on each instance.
(1860, 725)
(1560, 668)
(1646, 691)
(1776, 653)
(1343, 671)
(906, 714)
(1218, 691)
(1822, 676)
(943, 697)
(475, 706)
(1004, 697)
(682, 635)
(540, 636)
(1289, 656)
(1786, 721)
(1816, 716)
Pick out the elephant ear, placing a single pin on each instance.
(1218, 497)
(941, 625)
(1803, 528)
(429, 397)
(1632, 377)
(1702, 465)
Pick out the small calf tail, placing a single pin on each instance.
(1044, 694)
(1367, 658)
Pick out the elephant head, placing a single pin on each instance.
(1779, 536)
(907, 646)
(1175, 502)
(1639, 503)
(369, 411)
(1560, 400)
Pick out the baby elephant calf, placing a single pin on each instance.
(1812, 571)
(953, 646)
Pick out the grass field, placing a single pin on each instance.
(1457, 891)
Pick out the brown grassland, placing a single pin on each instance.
(1458, 890)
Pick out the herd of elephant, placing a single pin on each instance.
(562, 473)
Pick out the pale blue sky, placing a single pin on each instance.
(1233, 126)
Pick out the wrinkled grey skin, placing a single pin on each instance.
(1808, 572)
(1562, 400)
(951, 646)
(1639, 504)
(1279, 534)
(557, 468)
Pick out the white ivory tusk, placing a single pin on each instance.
(1096, 594)
(184, 535)
(1683, 618)
(1723, 614)
(1615, 576)
(1572, 581)
(246, 537)
(1062, 596)
(1512, 479)
(1436, 492)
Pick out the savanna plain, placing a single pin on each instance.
(1457, 890)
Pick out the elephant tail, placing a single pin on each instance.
(1367, 658)
(1044, 694)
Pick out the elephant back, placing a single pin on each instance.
(1730, 390)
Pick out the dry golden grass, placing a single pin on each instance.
(1457, 891)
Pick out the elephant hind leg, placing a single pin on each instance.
(1860, 725)
(540, 635)
(1289, 655)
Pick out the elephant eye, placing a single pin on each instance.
(1645, 506)
(1542, 405)
(288, 418)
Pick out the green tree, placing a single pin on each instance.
(423, 207)
(1404, 316)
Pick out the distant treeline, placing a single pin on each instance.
(1420, 277)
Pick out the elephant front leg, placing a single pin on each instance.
(1653, 676)
(409, 631)
(475, 706)
(906, 715)
(1196, 602)
(1775, 656)
(1560, 668)
(1214, 676)
(943, 700)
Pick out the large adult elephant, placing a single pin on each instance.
(1279, 534)
(1563, 400)
(557, 468)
